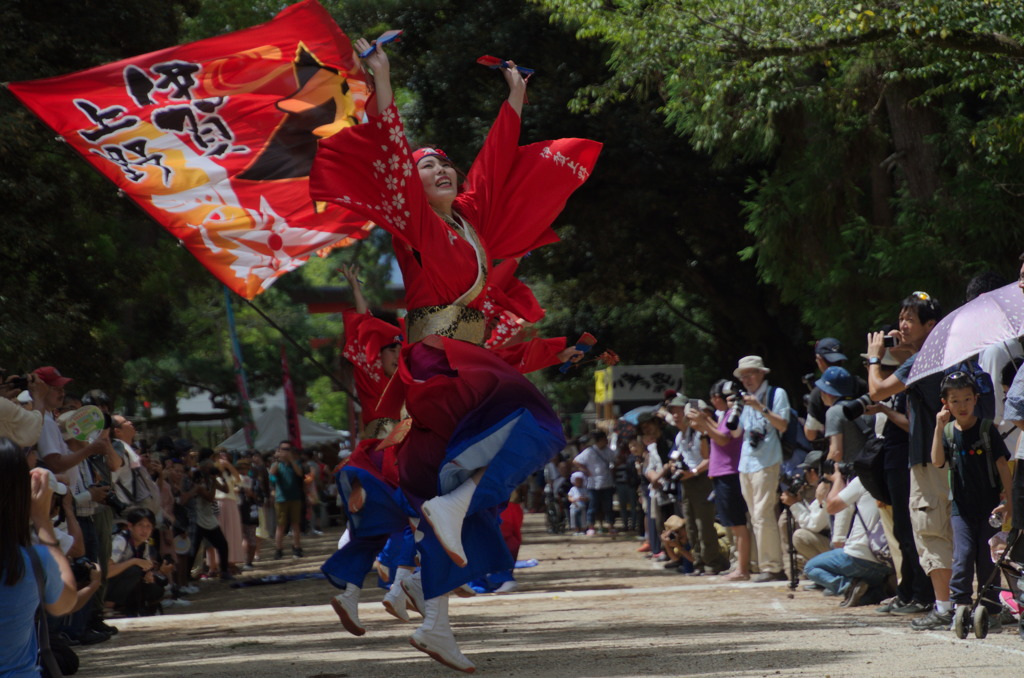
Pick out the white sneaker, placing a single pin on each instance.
(179, 602)
(346, 606)
(413, 588)
(192, 590)
(394, 602)
(435, 637)
(508, 587)
(445, 514)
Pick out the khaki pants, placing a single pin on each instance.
(931, 516)
(761, 492)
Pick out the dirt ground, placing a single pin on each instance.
(593, 607)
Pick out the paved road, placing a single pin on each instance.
(592, 608)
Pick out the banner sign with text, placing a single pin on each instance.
(215, 139)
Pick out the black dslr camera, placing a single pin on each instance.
(829, 466)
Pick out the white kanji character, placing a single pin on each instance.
(546, 152)
(560, 159)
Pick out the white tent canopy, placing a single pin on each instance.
(272, 428)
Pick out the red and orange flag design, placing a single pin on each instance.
(215, 139)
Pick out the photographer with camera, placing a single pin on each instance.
(763, 419)
(21, 425)
(827, 353)
(848, 423)
(62, 453)
(929, 502)
(723, 469)
(689, 470)
(858, 571)
(811, 530)
(137, 576)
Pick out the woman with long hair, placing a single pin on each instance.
(25, 503)
(479, 428)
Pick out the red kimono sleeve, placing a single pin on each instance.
(368, 169)
(513, 194)
(533, 355)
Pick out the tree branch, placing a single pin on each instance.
(963, 41)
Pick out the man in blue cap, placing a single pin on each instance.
(846, 436)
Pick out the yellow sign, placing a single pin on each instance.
(603, 386)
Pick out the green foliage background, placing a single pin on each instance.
(772, 173)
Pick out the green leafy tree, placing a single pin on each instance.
(887, 133)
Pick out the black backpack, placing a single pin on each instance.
(869, 467)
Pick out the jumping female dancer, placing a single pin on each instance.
(478, 427)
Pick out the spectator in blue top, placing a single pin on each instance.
(286, 475)
(764, 418)
(27, 502)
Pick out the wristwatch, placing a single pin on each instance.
(874, 361)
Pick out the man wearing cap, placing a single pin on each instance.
(811, 533)
(827, 353)
(690, 465)
(60, 458)
(846, 437)
(764, 418)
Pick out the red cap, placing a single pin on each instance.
(51, 376)
(426, 152)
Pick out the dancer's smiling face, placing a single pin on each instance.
(439, 180)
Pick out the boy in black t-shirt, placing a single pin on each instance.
(977, 457)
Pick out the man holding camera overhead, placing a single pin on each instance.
(764, 418)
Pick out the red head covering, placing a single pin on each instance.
(426, 152)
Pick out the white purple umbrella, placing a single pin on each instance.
(992, 318)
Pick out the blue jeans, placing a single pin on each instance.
(835, 571)
(971, 553)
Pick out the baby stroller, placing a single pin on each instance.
(975, 617)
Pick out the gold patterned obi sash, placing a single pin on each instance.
(452, 320)
(379, 428)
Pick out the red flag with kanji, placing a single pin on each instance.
(215, 139)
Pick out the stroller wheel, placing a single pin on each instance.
(961, 621)
(980, 622)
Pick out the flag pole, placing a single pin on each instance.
(248, 424)
(305, 354)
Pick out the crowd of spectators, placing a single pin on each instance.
(107, 525)
(872, 487)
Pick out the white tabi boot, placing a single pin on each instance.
(445, 514)
(435, 637)
(394, 599)
(413, 587)
(346, 606)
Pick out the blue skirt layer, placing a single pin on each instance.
(385, 510)
(485, 548)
